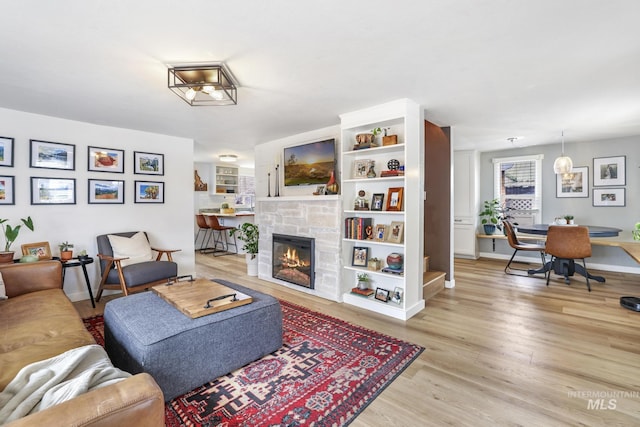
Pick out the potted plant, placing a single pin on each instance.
(249, 234)
(82, 255)
(363, 281)
(490, 215)
(374, 264)
(636, 231)
(569, 219)
(10, 235)
(225, 209)
(65, 251)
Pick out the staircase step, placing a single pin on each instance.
(432, 283)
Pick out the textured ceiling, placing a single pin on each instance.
(489, 69)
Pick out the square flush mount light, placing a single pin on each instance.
(206, 84)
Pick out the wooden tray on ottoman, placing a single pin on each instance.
(199, 297)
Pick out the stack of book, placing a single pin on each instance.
(399, 272)
(362, 292)
(358, 228)
(391, 173)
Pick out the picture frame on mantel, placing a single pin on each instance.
(609, 171)
(573, 184)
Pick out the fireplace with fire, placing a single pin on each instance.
(293, 259)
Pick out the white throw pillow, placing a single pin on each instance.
(136, 248)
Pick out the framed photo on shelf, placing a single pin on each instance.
(41, 249)
(148, 163)
(377, 202)
(397, 295)
(396, 232)
(394, 199)
(7, 190)
(573, 184)
(360, 256)
(6, 151)
(53, 191)
(382, 294)
(105, 160)
(360, 168)
(381, 232)
(103, 192)
(609, 197)
(149, 192)
(609, 171)
(52, 155)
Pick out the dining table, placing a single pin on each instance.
(567, 267)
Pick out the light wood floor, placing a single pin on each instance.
(500, 350)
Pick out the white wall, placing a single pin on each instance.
(169, 225)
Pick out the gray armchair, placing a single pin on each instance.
(133, 277)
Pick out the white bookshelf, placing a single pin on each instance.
(402, 118)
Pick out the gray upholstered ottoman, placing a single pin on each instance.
(143, 333)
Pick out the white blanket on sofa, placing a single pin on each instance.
(50, 382)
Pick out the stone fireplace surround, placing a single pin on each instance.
(318, 217)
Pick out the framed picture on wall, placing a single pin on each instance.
(148, 163)
(53, 191)
(7, 190)
(149, 192)
(52, 155)
(6, 151)
(105, 192)
(609, 197)
(105, 160)
(573, 184)
(609, 171)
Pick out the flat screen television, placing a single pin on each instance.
(309, 164)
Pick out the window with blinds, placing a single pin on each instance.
(518, 186)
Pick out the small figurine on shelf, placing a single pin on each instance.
(372, 172)
(361, 203)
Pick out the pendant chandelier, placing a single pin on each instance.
(563, 164)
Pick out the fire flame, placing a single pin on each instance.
(290, 259)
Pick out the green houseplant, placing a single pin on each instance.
(363, 281)
(490, 215)
(636, 231)
(65, 251)
(10, 235)
(249, 234)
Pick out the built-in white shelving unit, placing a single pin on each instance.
(226, 180)
(402, 118)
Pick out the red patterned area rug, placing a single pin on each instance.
(325, 374)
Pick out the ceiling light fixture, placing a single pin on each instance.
(205, 84)
(563, 164)
(228, 158)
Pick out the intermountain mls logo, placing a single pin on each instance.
(604, 400)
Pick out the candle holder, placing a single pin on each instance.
(277, 191)
(269, 184)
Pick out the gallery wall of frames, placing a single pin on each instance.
(101, 189)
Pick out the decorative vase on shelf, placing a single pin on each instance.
(372, 172)
(395, 261)
(332, 185)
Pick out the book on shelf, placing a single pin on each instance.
(384, 174)
(393, 271)
(358, 228)
(362, 292)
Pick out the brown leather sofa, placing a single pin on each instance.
(38, 321)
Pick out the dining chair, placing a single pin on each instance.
(202, 227)
(220, 235)
(566, 244)
(517, 245)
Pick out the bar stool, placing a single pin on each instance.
(202, 227)
(220, 237)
